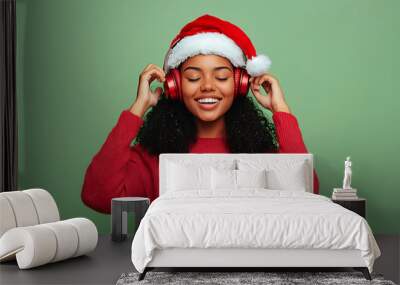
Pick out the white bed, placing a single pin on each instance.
(250, 226)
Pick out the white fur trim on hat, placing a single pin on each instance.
(205, 43)
(258, 65)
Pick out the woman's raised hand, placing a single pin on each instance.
(146, 97)
(274, 101)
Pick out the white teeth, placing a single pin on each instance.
(208, 100)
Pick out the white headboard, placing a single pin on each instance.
(203, 157)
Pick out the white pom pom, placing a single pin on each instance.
(258, 65)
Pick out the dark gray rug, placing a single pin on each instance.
(229, 278)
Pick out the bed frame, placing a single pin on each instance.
(241, 258)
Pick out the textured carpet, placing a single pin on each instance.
(225, 278)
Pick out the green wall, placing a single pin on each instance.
(78, 64)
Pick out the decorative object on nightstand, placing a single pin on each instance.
(120, 207)
(347, 174)
(356, 205)
(347, 192)
(344, 194)
(347, 196)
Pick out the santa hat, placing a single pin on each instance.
(211, 35)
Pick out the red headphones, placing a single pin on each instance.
(173, 90)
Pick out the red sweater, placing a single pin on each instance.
(119, 169)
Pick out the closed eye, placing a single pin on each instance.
(220, 79)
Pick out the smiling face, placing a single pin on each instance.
(210, 78)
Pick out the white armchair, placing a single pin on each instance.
(31, 231)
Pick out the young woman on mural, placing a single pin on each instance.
(205, 108)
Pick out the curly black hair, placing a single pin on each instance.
(169, 127)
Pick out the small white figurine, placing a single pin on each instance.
(347, 174)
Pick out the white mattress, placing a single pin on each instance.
(250, 218)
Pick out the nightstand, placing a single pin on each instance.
(120, 207)
(357, 205)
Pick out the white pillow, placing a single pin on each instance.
(184, 177)
(251, 178)
(288, 179)
(236, 179)
(223, 178)
(281, 174)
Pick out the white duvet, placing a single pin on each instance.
(250, 218)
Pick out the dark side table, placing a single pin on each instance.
(357, 205)
(120, 207)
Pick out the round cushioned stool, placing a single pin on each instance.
(120, 207)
